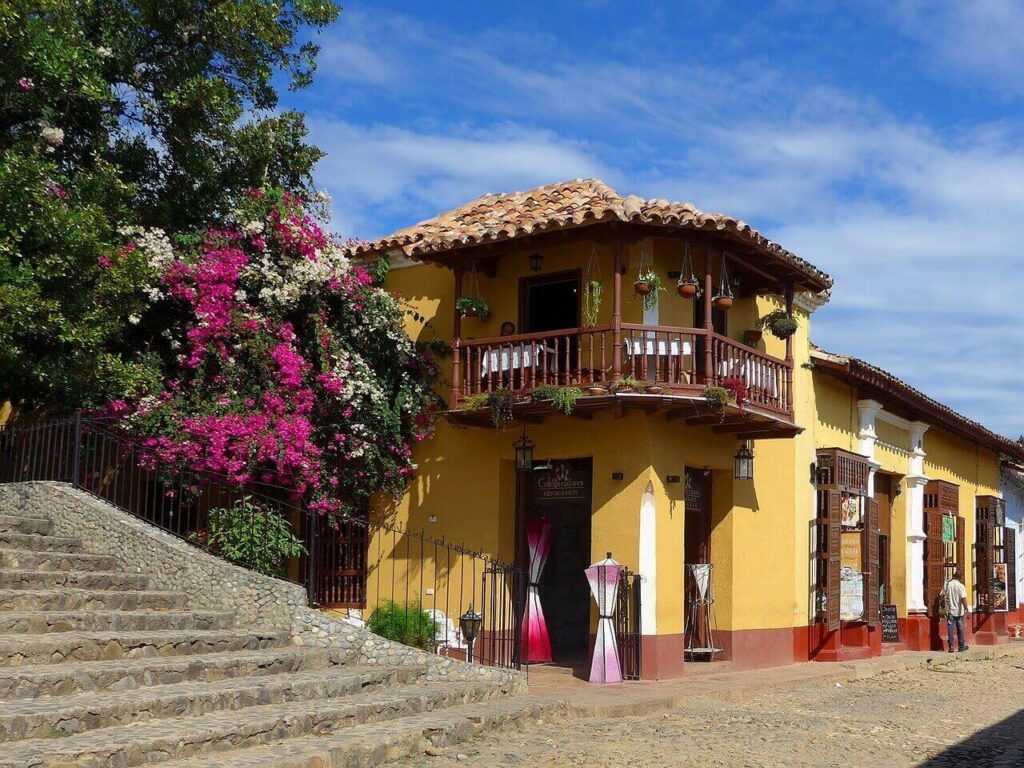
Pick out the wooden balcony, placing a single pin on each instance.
(672, 365)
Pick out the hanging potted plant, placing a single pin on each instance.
(646, 286)
(473, 306)
(724, 298)
(779, 324)
(592, 290)
(687, 287)
(717, 397)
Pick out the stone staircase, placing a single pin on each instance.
(102, 668)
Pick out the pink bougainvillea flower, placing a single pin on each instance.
(58, 190)
(105, 262)
(25, 84)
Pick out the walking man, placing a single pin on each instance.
(954, 600)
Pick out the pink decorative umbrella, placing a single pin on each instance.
(604, 584)
(536, 642)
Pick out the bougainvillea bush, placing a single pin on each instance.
(290, 365)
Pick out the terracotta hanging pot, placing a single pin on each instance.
(470, 312)
(596, 391)
(723, 302)
(687, 289)
(642, 288)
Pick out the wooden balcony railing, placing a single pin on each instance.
(674, 358)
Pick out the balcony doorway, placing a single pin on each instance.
(549, 302)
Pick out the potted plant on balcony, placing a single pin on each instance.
(473, 306)
(750, 338)
(724, 298)
(717, 397)
(737, 389)
(653, 388)
(624, 384)
(779, 323)
(591, 303)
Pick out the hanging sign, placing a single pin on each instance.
(890, 624)
(560, 484)
(948, 528)
(999, 586)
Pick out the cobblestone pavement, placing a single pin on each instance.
(955, 713)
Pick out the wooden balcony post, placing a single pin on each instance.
(789, 350)
(709, 326)
(457, 343)
(617, 249)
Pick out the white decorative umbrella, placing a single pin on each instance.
(603, 578)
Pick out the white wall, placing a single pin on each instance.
(1012, 487)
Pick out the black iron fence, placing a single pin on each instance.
(627, 624)
(403, 584)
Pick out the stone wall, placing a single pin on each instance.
(210, 583)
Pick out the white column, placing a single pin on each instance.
(648, 563)
(916, 481)
(868, 413)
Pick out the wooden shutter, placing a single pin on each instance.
(984, 543)
(835, 542)
(933, 557)
(1010, 548)
(869, 549)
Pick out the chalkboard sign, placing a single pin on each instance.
(890, 627)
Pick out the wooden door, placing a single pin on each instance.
(883, 500)
(697, 524)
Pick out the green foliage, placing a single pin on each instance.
(500, 401)
(779, 323)
(475, 402)
(408, 624)
(626, 384)
(561, 398)
(250, 535)
(718, 397)
(651, 278)
(134, 114)
(591, 303)
(473, 306)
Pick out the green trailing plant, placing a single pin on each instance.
(625, 384)
(647, 285)
(407, 624)
(779, 323)
(473, 306)
(250, 535)
(718, 397)
(475, 402)
(591, 303)
(500, 401)
(561, 398)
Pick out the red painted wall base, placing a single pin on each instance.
(852, 641)
(989, 628)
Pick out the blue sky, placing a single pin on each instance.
(883, 143)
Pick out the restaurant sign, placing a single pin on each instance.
(560, 484)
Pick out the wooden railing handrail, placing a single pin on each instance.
(751, 351)
(662, 329)
(519, 337)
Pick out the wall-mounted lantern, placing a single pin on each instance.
(536, 262)
(469, 624)
(524, 452)
(743, 462)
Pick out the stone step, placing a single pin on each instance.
(34, 542)
(41, 680)
(384, 742)
(19, 524)
(13, 579)
(22, 650)
(28, 560)
(88, 600)
(156, 741)
(45, 622)
(66, 715)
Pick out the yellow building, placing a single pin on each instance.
(641, 413)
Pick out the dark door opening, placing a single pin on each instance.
(883, 497)
(550, 302)
(696, 550)
(561, 495)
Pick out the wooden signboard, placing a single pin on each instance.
(890, 625)
(563, 483)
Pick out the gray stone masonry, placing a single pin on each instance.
(161, 562)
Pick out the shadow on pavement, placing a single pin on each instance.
(998, 746)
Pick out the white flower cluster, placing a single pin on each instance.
(154, 244)
(282, 284)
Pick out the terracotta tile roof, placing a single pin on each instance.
(860, 371)
(566, 204)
